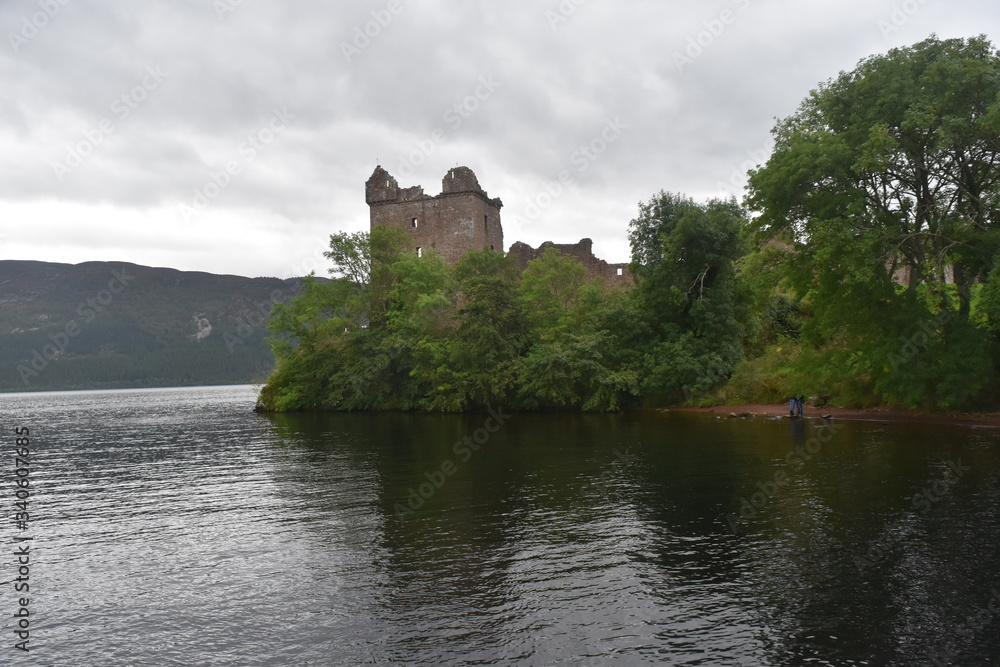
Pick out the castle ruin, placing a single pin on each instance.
(464, 218)
(614, 275)
(461, 218)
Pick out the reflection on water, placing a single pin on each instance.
(178, 527)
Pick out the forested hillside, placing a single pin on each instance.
(115, 324)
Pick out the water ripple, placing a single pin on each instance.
(176, 527)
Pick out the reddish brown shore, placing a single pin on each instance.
(870, 414)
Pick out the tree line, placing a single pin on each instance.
(860, 268)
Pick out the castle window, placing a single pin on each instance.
(413, 222)
(491, 247)
(420, 251)
(486, 223)
(619, 271)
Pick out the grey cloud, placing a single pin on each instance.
(563, 68)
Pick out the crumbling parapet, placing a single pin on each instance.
(614, 275)
(463, 218)
(460, 219)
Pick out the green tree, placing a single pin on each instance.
(649, 230)
(492, 331)
(573, 360)
(328, 353)
(422, 324)
(551, 290)
(683, 259)
(351, 256)
(887, 181)
(321, 309)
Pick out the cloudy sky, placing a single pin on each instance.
(233, 136)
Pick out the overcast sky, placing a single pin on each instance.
(233, 136)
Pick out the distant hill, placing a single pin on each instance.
(114, 324)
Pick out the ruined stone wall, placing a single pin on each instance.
(461, 218)
(464, 218)
(614, 275)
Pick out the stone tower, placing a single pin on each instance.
(461, 218)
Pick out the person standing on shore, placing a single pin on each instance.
(792, 405)
(800, 401)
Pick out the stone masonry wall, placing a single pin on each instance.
(464, 218)
(614, 275)
(460, 219)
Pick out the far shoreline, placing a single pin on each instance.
(880, 414)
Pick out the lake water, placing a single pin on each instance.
(177, 527)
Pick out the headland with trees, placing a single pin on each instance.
(861, 268)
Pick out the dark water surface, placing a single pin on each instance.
(177, 527)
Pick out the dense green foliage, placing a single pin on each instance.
(882, 194)
(421, 334)
(867, 274)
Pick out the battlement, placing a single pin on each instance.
(461, 218)
(381, 187)
(460, 179)
(464, 218)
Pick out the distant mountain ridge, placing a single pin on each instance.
(117, 324)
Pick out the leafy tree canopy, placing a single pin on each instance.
(398, 331)
(885, 186)
(891, 170)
